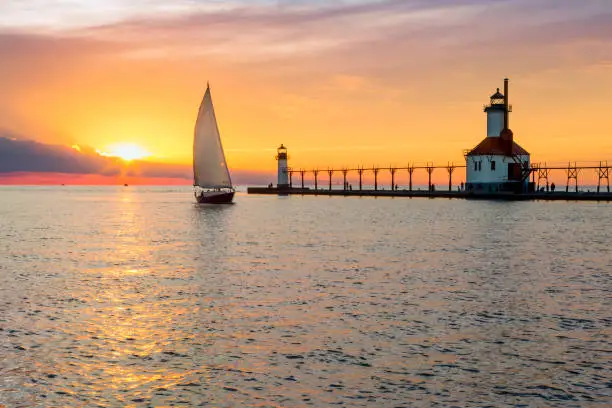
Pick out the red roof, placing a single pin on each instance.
(497, 146)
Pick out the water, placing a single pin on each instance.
(137, 297)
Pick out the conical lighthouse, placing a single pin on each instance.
(283, 169)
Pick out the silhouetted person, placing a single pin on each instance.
(552, 187)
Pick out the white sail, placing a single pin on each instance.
(209, 165)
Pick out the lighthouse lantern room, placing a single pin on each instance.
(498, 163)
(495, 114)
(283, 170)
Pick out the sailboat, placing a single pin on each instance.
(211, 177)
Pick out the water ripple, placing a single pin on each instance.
(136, 297)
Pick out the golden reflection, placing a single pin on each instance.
(137, 327)
(135, 338)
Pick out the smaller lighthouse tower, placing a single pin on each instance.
(496, 112)
(283, 169)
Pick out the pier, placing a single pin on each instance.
(374, 171)
(572, 172)
(547, 196)
(540, 175)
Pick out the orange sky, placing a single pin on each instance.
(339, 83)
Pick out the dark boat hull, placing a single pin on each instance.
(215, 197)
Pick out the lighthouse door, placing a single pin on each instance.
(514, 171)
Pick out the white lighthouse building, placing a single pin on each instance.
(498, 163)
(283, 169)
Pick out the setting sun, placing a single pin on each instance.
(126, 151)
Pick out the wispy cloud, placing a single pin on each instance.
(362, 33)
(366, 37)
(263, 30)
(71, 14)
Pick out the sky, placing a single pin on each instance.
(340, 83)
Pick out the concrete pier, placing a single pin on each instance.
(548, 196)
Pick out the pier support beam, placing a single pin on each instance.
(316, 175)
(543, 173)
(392, 170)
(430, 170)
(290, 178)
(345, 185)
(375, 170)
(603, 172)
(410, 171)
(302, 174)
(450, 168)
(360, 171)
(572, 173)
(331, 173)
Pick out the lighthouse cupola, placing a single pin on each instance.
(495, 111)
(283, 169)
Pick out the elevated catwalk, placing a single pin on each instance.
(549, 196)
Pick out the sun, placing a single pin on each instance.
(126, 151)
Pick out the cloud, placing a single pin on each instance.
(255, 30)
(348, 34)
(358, 37)
(66, 14)
(391, 42)
(280, 29)
(22, 157)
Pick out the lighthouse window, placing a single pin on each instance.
(492, 165)
(475, 166)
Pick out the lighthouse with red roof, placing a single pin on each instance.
(497, 164)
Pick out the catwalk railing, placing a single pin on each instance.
(540, 174)
(375, 171)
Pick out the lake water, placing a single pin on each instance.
(138, 297)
